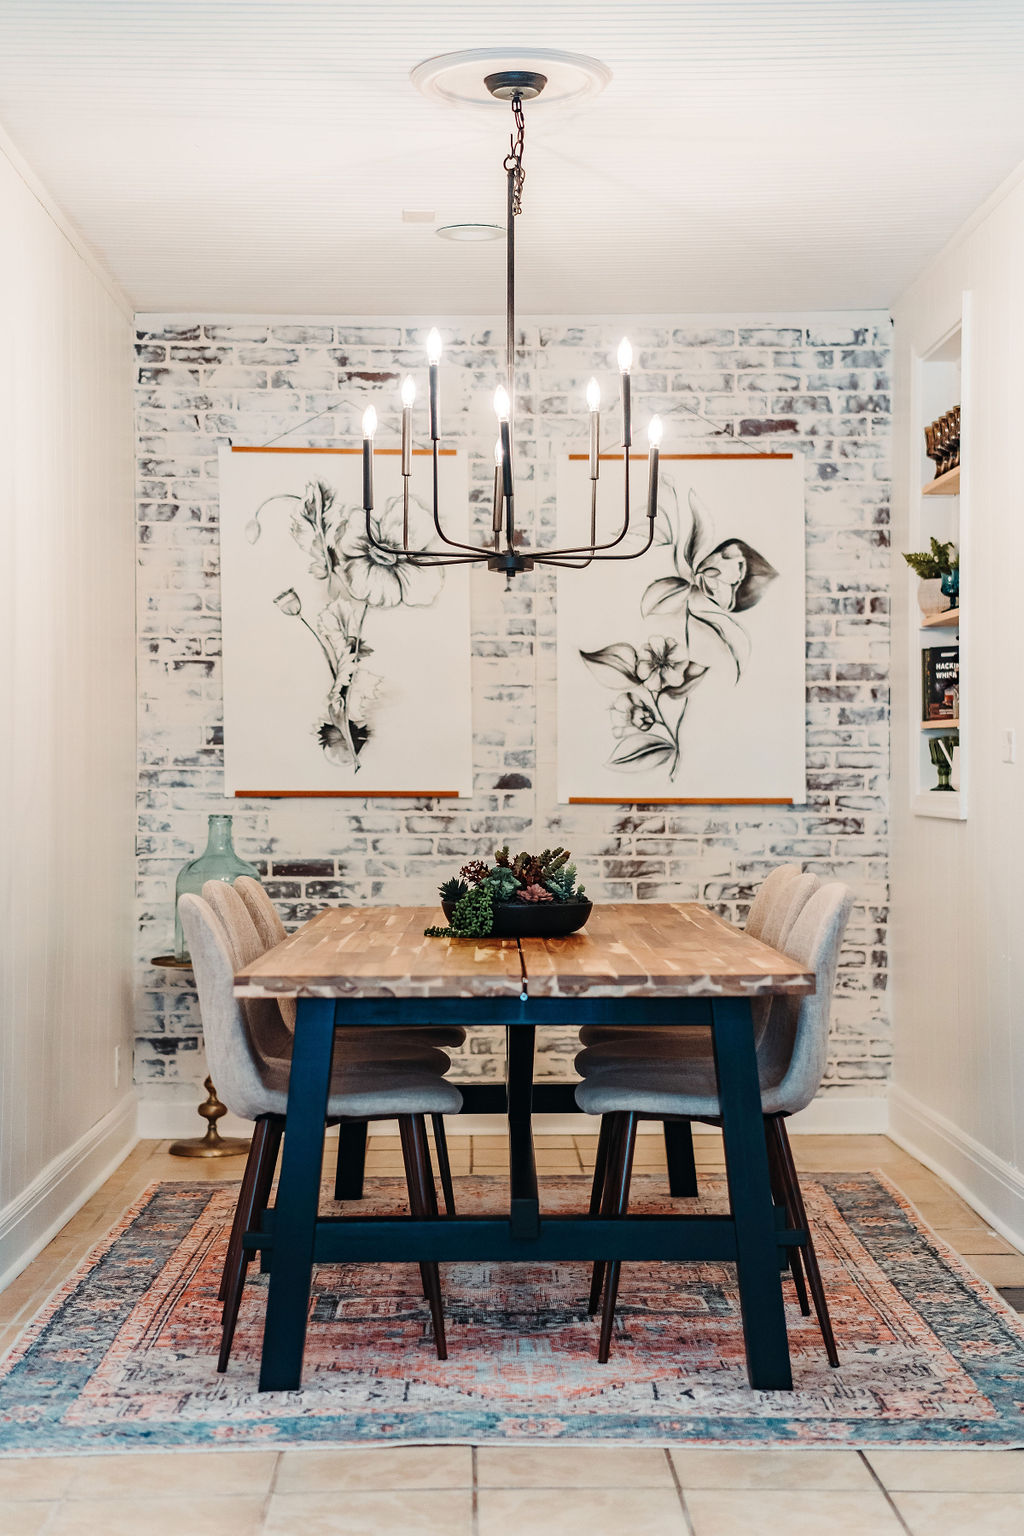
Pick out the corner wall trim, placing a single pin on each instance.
(994, 1187)
(31, 1219)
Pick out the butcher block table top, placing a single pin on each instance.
(628, 949)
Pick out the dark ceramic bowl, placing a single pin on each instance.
(535, 920)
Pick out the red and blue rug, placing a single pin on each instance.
(124, 1355)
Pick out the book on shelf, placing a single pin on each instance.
(940, 669)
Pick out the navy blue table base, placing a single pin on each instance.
(295, 1237)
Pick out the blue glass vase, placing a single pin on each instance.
(951, 587)
(218, 861)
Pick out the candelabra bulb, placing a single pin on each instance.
(593, 395)
(369, 421)
(408, 390)
(502, 404)
(434, 346)
(654, 431)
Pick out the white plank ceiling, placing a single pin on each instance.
(256, 155)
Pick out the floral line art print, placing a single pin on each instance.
(360, 583)
(711, 583)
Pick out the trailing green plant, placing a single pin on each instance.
(529, 877)
(938, 561)
(473, 917)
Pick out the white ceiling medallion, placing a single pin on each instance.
(458, 78)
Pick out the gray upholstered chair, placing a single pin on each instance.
(254, 1086)
(775, 908)
(791, 1058)
(369, 1043)
(767, 896)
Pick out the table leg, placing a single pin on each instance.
(750, 1196)
(298, 1197)
(524, 1202)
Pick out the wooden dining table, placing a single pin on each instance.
(634, 964)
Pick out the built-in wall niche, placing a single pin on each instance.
(939, 710)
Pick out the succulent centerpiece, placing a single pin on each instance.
(534, 895)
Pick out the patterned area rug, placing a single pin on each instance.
(123, 1356)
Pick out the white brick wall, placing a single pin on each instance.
(818, 385)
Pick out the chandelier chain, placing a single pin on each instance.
(514, 159)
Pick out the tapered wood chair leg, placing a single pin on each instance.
(619, 1187)
(423, 1202)
(252, 1202)
(796, 1201)
(682, 1165)
(780, 1195)
(606, 1144)
(444, 1166)
(243, 1207)
(351, 1165)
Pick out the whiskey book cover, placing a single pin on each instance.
(941, 683)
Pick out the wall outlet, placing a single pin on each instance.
(1009, 746)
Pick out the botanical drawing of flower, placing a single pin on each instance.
(358, 579)
(711, 582)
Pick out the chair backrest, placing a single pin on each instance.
(266, 1022)
(262, 911)
(230, 1050)
(793, 1053)
(769, 892)
(270, 929)
(792, 897)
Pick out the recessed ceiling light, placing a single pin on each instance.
(471, 232)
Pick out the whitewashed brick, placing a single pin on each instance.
(824, 391)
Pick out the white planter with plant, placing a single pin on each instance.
(932, 566)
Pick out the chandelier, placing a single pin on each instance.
(505, 553)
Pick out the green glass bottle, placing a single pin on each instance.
(218, 861)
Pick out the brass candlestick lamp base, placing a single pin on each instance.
(213, 1144)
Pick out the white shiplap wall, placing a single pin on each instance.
(67, 739)
(957, 1094)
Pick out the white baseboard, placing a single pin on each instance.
(35, 1216)
(827, 1116)
(830, 1115)
(986, 1181)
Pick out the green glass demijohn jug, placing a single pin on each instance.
(218, 861)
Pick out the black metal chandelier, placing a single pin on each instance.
(504, 553)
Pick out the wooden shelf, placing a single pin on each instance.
(940, 725)
(946, 485)
(950, 619)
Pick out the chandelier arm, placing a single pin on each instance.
(452, 543)
(540, 558)
(592, 550)
(421, 556)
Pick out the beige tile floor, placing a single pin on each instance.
(505, 1490)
